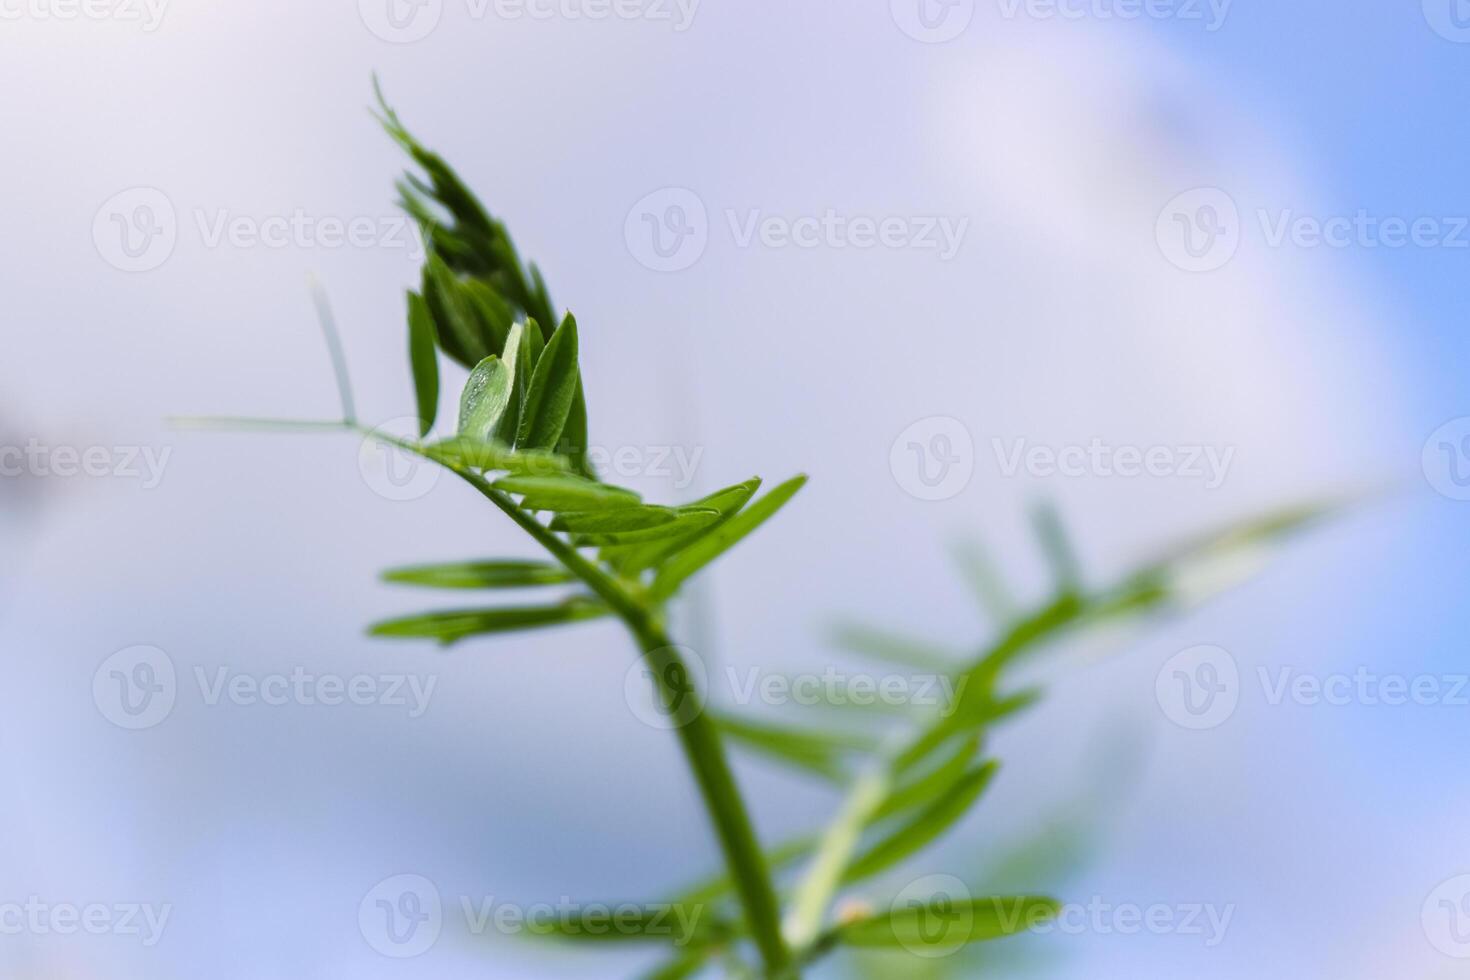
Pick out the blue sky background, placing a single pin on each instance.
(1059, 320)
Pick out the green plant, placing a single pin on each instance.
(521, 441)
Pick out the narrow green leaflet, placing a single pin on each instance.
(485, 398)
(451, 626)
(1056, 545)
(724, 537)
(480, 575)
(944, 923)
(552, 390)
(726, 503)
(459, 328)
(925, 828)
(423, 356)
(566, 493)
(639, 518)
(820, 752)
(574, 434)
(891, 648)
(477, 454)
(924, 788)
(505, 429)
(686, 519)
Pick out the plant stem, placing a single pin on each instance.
(699, 737)
(705, 752)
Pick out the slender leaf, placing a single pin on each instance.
(457, 319)
(423, 355)
(552, 390)
(890, 648)
(726, 503)
(476, 454)
(639, 518)
(566, 493)
(686, 519)
(451, 626)
(1056, 545)
(820, 752)
(715, 543)
(925, 828)
(519, 372)
(943, 923)
(480, 575)
(485, 398)
(925, 788)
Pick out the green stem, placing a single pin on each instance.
(814, 894)
(699, 737)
